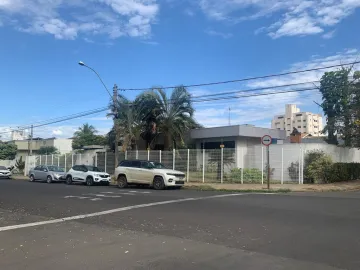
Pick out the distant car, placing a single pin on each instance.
(5, 172)
(47, 173)
(88, 175)
(150, 173)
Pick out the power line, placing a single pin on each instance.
(245, 79)
(65, 118)
(257, 94)
(257, 89)
(61, 117)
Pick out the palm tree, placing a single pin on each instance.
(128, 122)
(173, 117)
(86, 129)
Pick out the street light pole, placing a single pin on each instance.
(115, 110)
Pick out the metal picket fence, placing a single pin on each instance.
(245, 165)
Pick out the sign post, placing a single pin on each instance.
(267, 140)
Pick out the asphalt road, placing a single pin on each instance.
(79, 227)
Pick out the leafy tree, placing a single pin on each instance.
(7, 151)
(86, 135)
(341, 105)
(48, 150)
(20, 164)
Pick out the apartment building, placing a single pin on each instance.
(63, 145)
(304, 122)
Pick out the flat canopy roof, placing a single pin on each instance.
(236, 131)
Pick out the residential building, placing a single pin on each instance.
(63, 145)
(304, 122)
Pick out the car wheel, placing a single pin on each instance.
(122, 182)
(89, 181)
(32, 178)
(69, 180)
(159, 183)
(49, 179)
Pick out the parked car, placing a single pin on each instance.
(150, 173)
(88, 175)
(47, 173)
(5, 172)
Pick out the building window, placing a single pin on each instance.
(304, 120)
(304, 126)
(288, 124)
(299, 121)
(289, 130)
(277, 123)
(315, 127)
(299, 126)
(299, 114)
(281, 117)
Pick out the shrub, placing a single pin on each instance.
(20, 164)
(293, 170)
(317, 166)
(252, 175)
(266, 172)
(344, 172)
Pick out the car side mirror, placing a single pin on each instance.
(45, 170)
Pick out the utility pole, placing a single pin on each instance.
(116, 125)
(31, 140)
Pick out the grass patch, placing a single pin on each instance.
(209, 188)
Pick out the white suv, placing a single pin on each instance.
(150, 173)
(88, 175)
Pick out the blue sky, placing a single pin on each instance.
(143, 43)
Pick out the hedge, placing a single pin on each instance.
(340, 172)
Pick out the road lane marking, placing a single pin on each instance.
(112, 211)
(104, 196)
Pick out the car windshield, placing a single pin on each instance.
(55, 169)
(157, 165)
(93, 169)
(2, 168)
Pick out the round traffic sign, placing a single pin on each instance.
(266, 140)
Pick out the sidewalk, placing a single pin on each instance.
(344, 186)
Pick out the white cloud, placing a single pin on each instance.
(295, 26)
(57, 132)
(296, 17)
(218, 34)
(329, 35)
(69, 19)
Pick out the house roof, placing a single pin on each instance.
(236, 131)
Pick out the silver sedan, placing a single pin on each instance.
(47, 173)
